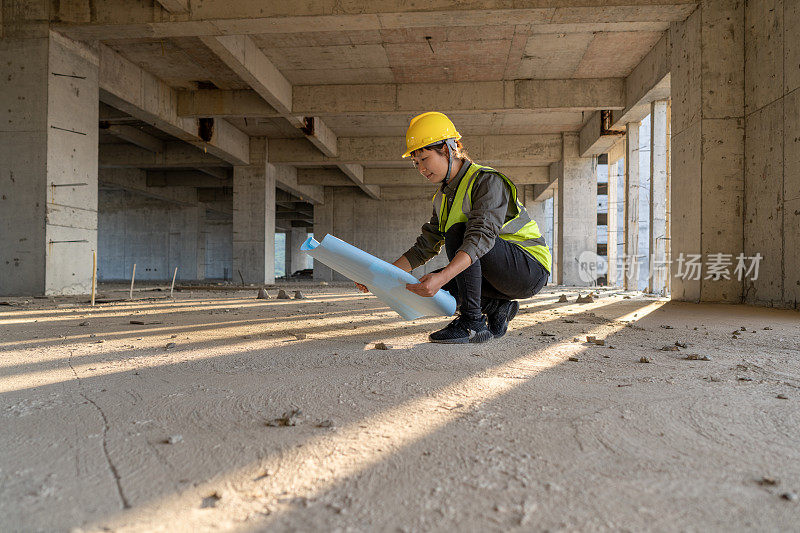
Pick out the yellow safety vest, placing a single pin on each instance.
(521, 230)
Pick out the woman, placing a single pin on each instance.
(496, 252)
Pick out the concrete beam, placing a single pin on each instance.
(407, 177)
(140, 94)
(286, 180)
(135, 136)
(174, 155)
(500, 150)
(487, 96)
(185, 178)
(217, 172)
(109, 19)
(594, 140)
(405, 98)
(245, 58)
(649, 81)
(175, 6)
(221, 104)
(356, 174)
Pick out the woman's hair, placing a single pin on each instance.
(440, 148)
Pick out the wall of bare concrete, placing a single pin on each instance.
(384, 228)
(772, 151)
(159, 235)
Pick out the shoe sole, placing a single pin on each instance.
(511, 314)
(477, 339)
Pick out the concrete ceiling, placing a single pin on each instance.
(278, 53)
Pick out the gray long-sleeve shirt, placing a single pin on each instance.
(491, 208)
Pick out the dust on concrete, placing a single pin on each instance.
(283, 415)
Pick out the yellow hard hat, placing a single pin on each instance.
(429, 128)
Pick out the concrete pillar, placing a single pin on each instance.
(254, 217)
(294, 240)
(48, 165)
(616, 153)
(287, 254)
(631, 199)
(658, 198)
(554, 268)
(707, 92)
(542, 212)
(201, 242)
(577, 211)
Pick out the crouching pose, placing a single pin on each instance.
(497, 254)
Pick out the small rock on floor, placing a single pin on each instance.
(289, 418)
(669, 348)
(562, 299)
(584, 299)
(697, 357)
(644, 359)
(575, 359)
(299, 295)
(381, 346)
(170, 345)
(262, 294)
(174, 439)
(282, 295)
(782, 397)
(790, 496)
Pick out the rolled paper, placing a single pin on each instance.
(383, 279)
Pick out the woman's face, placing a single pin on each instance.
(431, 164)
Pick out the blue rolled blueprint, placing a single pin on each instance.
(383, 279)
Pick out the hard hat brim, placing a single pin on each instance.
(429, 143)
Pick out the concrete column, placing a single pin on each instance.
(294, 241)
(631, 199)
(577, 210)
(554, 268)
(542, 212)
(707, 92)
(616, 153)
(201, 242)
(48, 165)
(287, 253)
(254, 217)
(658, 198)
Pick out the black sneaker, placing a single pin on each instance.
(462, 331)
(500, 317)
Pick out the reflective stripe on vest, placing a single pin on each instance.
(521, 230)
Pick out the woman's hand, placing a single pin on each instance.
(428, 285)
(362, 288)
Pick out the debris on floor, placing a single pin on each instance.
(669, 348)
(170, 345)
(174, 439)
(289, 418)
(644, 359)
(299, 295)
(584, 299)
(562, 299)
(262, 295)
(381, 346)
(697, 357)
(282, 295)
(210, 501)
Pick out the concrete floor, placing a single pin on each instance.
(105, 426)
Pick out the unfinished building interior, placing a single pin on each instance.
(196, 144)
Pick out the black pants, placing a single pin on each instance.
(505, 272)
